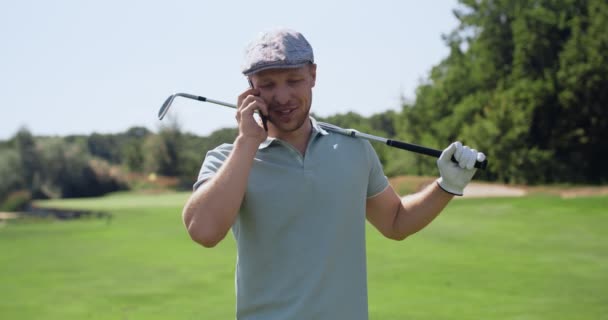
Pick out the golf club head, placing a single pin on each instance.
(165, 107)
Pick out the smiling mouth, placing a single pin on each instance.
(284, 112)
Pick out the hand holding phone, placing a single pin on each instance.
(248, 104)
(262, 116)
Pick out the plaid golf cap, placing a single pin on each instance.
(280, 48)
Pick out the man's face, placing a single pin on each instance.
(288, 93)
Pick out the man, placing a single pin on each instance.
(296, 196)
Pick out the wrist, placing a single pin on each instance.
(449, 188)
(246, 143)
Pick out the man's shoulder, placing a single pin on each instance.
(218, 154)
(224, 148)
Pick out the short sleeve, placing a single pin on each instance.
(213, 162)
(377, 181)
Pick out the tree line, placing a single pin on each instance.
(525, 81)
(38, 167)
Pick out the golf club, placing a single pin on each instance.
(329, 127)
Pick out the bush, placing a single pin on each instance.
(71, 172)
(16, 201)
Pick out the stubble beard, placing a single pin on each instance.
(294, 125)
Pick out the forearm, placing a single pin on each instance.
(212, 209)
(416, 211)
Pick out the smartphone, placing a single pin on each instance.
(264, 118)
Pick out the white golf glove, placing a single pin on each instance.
(456, 176)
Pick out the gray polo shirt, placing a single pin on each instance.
(300, 232)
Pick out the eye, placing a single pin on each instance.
(266, 85)
(294, 81)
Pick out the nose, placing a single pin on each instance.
(281, 95)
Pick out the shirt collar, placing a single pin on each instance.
(316, 130)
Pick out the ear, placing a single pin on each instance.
(312, 68)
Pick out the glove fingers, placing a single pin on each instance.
(458, 152)
(448, 152)
(463, 159)
(472, 157)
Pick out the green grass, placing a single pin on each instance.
(536, 257)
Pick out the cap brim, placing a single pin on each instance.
(257, 69)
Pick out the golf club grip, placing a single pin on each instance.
(429, 151)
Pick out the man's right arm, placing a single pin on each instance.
(212, 208)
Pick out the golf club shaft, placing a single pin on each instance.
(395, 143)
(330, 127)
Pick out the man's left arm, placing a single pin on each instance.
(398, 218)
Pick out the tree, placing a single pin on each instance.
(163, 150)
(525, 82)
(132, 155)
(10, 171)
(104, 146)
(29, 156)
(583, 78)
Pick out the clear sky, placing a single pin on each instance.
(78, 67)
